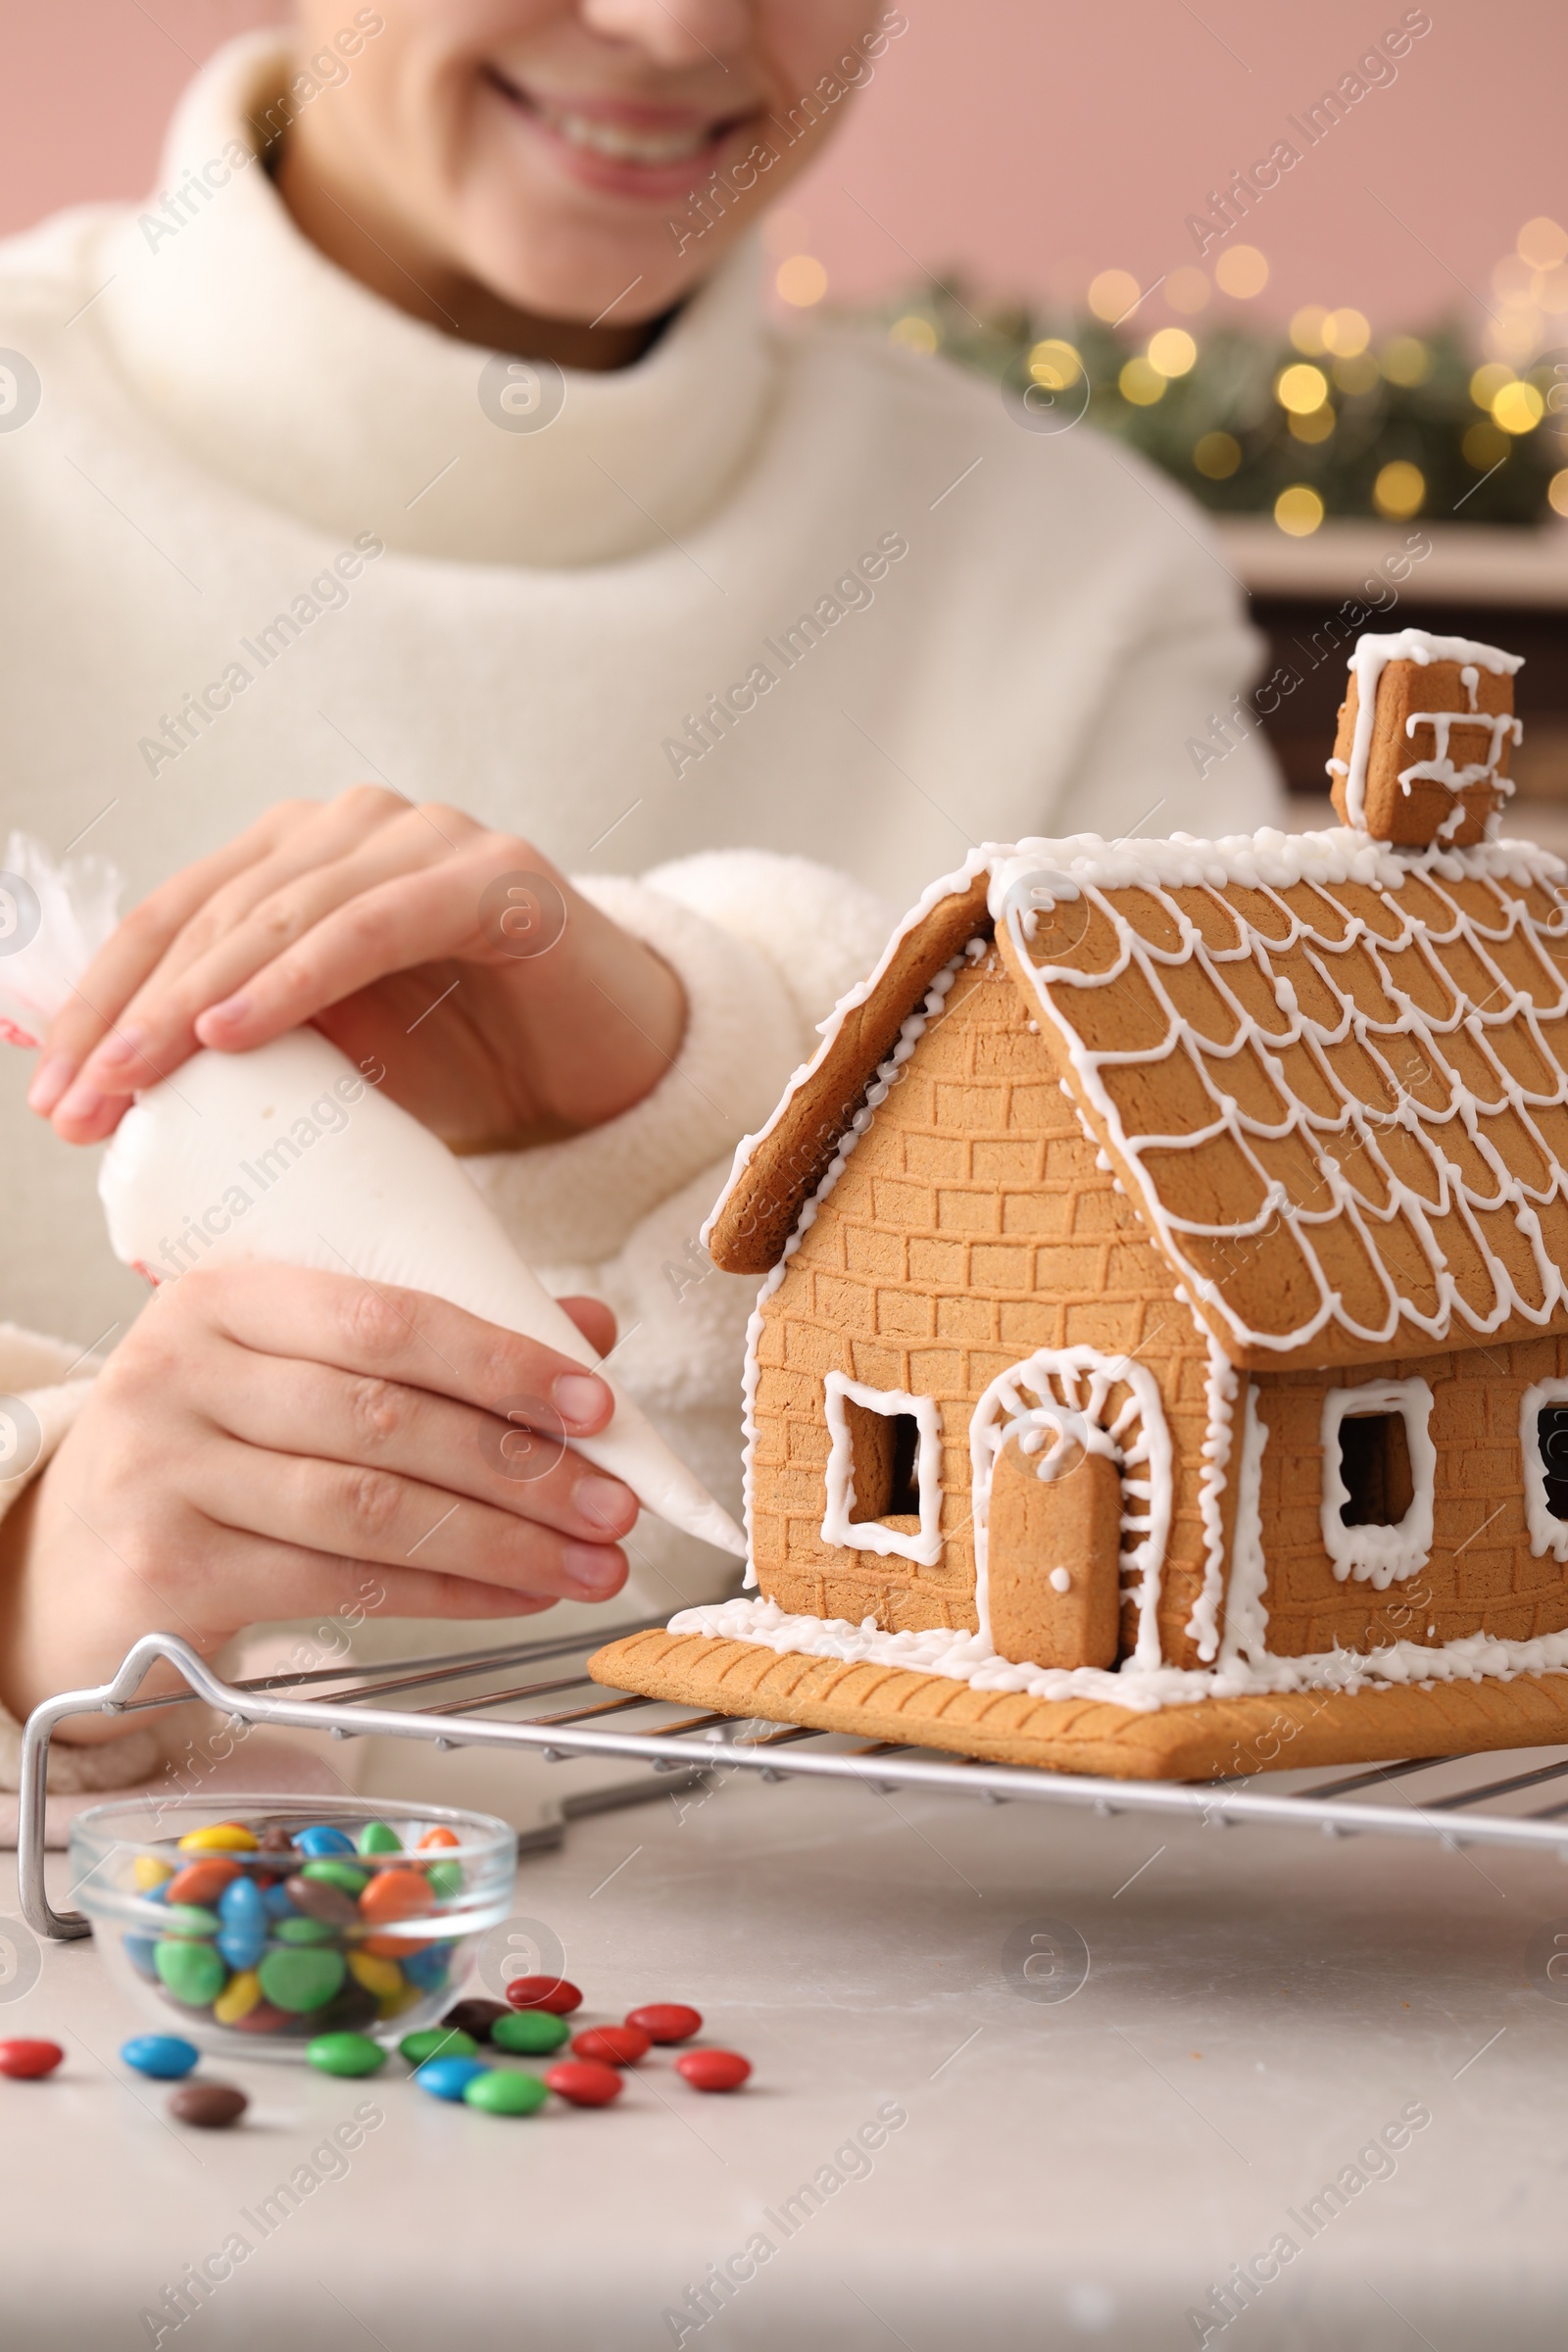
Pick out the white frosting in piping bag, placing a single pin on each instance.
(286, 1155)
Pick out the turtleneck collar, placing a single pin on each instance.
(294, 383)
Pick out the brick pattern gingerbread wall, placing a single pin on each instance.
(1482, 1577)
(970, 1227)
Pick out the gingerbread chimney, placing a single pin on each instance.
(1424, 736)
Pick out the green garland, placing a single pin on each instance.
(1221, 431)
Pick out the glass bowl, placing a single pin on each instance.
(376, 1943)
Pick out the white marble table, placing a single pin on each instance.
(1259, 2007)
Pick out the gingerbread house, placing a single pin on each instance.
(1161, 1359)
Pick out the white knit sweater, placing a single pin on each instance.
(928, 626)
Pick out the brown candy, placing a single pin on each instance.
(277, 1841)
(211, 2106)
(475, 2017)
(319, 1900)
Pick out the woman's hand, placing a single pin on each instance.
(505, 1009)
(271, 1441)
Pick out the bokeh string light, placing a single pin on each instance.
(1330, 418)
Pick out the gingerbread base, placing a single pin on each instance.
(1217, 1738)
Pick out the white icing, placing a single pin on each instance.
(873, 1534)
(1377, 1554)
(969, 1658)
(1246, 1611)
(1060, 1581)
(1058, 1396)
(1219, 1390)
(1547, 1534)
(1371, 658)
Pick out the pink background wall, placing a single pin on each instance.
(1029, 143)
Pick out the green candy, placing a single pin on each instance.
(377, 1839)
(437, 2042)
(345, 2054)
(189, 1919)
(446, 1879)
(333, 1873)
(194, 1973)
(299, 1979)
(506, 2091)
(304, 1931)
(529, 2033)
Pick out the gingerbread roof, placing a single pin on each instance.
(1332, 1077)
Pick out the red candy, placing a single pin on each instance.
(24, 2059)
(262, 2019)
(666, 2021)
(714, 2069)
(544, 1992)
(584, 2082)
(615, 2045)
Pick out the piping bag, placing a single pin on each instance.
(288, 1156)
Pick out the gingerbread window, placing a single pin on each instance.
(1543, 1443)
(1379, 1470)
(884, 1471)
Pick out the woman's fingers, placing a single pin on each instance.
(378, 1424)
(136, 949)
(246, 912)
(381, 1517)
(386, 1333)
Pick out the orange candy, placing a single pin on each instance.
(201, 1883)
(441, 1837)
(394, 1894)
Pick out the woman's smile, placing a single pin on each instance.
(630, 147)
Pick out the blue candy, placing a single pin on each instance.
(277, 1902)
(242, 1937)
(321, 1839)
(448, 2078)
(428, 1968)
(139, 1950)
(163, 2056)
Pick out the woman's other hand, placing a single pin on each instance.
(270, 1442)
(504, 1008)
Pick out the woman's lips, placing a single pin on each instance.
(620, 147)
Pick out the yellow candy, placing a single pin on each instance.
(395, 2003)
(238, 1997)
(147, 1871)
(219, 1838)
(383, 1978)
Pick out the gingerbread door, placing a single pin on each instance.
(1054, 1554)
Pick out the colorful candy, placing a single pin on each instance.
(345, 2054)
(219, 1838)
(322, 1838)
(382, 1978)
(377, 1839)
(446, 2078)
(528, 2033)
(238, 1997)
(504, 2090)
(163, 2056)
(476, 2017)
(24, 2059)
(242, 1924)
(666, 2021)
(194, 1973)
(201, 1883)
(437, 2042)
(613, 2045)
(296, 1978)
(584, 2082)
(544, 1992)
(211, 2106)
(714, 2069)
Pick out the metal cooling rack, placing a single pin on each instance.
(1470, 1808)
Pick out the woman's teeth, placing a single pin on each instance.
(626, 146)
